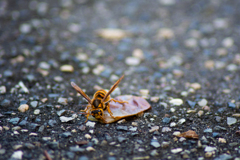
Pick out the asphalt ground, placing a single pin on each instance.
(182, 56)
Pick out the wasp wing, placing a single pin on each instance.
(79, 90)
(112, 89)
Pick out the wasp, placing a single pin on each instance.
(100, 101)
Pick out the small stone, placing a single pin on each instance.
(138, 53)
(210, 149)
(195, 86)
(176, 101)
(66, 119)
(231, 121)
(58, 79)
(90, 148)
(184, 93)
(191, 103)
(5, 103)
(122, 121)
(66, 134)
(134, 129)
(83, 158)
(165, 144)
(98, 70)
(181, 121)
(14, 120)
(44, 65)
(36, 111)
(25, 28)
(173, 124)
(209, 64)
(52, 123)
(154, 128)
(85, 70)
(87, 136)
(44, 100)
(220, 23)
(134, 124)
(8, 73)
(16, 128)
(222, 140)
(178, 73)
(132, 61)
(219, 128)
(176, 133)
(165, 33)
(46, 138)
(200, 113)
(63, 101)
(225, 157)
(208, 154)
(218, 119)
(17, 155)
(191, 43)
(76, 149)
(233, 144)
(23, 108)
(34, 104)
(3, 90)
(90, 124)
(74, 27)
(29, 146)
(54, 145)
(2, 151)
(167, 2)
(121, 139)
(154, 99)
(236, 115)
(61, 112)
(208, 130)
(166, 120)
(122, 128)
(231, 105)
(177, 150)
(181, 139)
(232, 67)
(155, 144)
(112, 34)
(202, 102)
(154, 153)
(6, 128)
(33, 134)
(228, 42)
(67, 68)
(166, 129)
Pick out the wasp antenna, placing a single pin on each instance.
(79, 90)
(112, 88)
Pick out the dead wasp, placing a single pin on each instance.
(100, 101)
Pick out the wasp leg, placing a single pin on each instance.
(109, 111)
(119, 101)
(84, 109)
(87, 117)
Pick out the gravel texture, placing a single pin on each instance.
(182, 56)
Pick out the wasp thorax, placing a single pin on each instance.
(96, 103)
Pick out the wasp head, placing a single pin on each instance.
(97, 113)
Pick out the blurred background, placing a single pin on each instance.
(163, 45)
